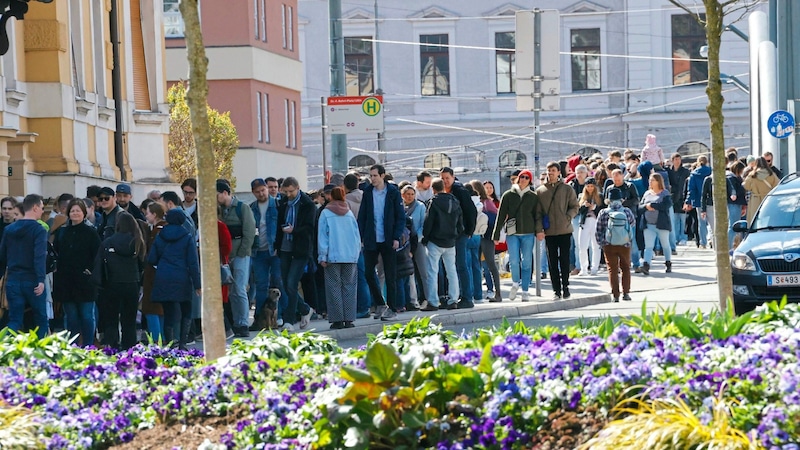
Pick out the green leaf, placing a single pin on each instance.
(354, 374)
(383, 363)
(485, 365)
(413, 419)
(687, 328)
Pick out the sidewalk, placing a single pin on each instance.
(691, 267)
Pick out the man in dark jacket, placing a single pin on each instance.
(630, 200)
(470, 215)
(381, 221)
(124, 196)
(266, 272)
(108, 203)
(678, 175)
(440, 231)
(293, 240)
(23, 251)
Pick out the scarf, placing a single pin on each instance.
(410, 208)
(291, 212)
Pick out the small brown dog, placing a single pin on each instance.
(267, 318)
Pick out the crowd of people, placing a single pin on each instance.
(361, 246)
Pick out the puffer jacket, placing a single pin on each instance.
(562, 203)
(174, 254)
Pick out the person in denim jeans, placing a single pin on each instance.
(242, 225)
(442, 227)
(23, 252)
(266, 262)
(655, 203)
(294, 242)
(469, 216)
(353, 198)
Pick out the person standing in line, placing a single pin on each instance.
(338, 231)
(189, 203)
(759, 183)
(655, 205)
(381, 221)
(7, 204)
(557, 206)
(23, 254)
(615, 238)
(630, 200)
(174, 256)
(266, 272)
(470, 214)
(415, 210)
(153, 312)
(694, 196)
(108, 203)
(737, 197)
(422, 187)
(707, 206)
(519, 216)
(443, 226)
(124, 195)
(577, 182)
(489, 264)
(474, 245)
(677, 180)
(768, 158)
(294, 241)
(118, 271)
(242, 226)
(76, 246)
(353, 198)
(590, 205)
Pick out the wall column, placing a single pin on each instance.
(6, 134)
(18, 163)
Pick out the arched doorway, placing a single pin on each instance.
(436, 161)
(361, 162)
(509, 161)
(690, 150)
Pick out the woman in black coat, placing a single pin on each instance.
(174, 255)
(76, 245)
(118, 270)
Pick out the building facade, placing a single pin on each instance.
(255, 73)
(79, 110)
(447, 73)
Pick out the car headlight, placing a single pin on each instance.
(741, 261)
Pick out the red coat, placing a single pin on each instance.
(225, 247)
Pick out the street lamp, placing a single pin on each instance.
(9, 9)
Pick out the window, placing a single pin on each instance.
(437, 161)
(585, 49)
(265, 116)
(687, 38)
(290, 32)
(256, 11)
(173, 22)
(293, 122)
(260, 19)
(434, 64)
(358, 66)
(259, 131)
(505, 60)
(361, 161)
(283, 24)
(263, 19)
(286, 122)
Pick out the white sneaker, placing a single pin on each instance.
(524, 296)
(478, 300)
(594, 272)
(583, 274)
(489, 295)
(279, 322)
(287, 327)
(306, 318)
(513, 293)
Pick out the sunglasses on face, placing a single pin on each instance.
(524, 177)
(103, 199)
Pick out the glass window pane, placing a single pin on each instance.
(687, 38)
(358, 64)
(434, 65)
(586, 73)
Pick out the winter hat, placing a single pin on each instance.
(527, 173)
(645, 168)
(175, 217)
(591, 180)
(614, 195)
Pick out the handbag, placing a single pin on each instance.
(225, 274)
(510, 227)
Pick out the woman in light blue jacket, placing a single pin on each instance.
(338, 242)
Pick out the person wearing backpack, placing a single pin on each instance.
(443, 226)
(615, 233)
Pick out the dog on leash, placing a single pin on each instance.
(267, 318)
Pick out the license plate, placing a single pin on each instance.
(783, 280)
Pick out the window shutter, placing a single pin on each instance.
(141, 91)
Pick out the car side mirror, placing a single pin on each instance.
(740, 226)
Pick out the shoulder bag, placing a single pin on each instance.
(546, 217)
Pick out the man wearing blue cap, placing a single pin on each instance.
(124, 196)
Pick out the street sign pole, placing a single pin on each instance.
(338, 141)
(537, 106)
(324, 147)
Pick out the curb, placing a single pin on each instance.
(469, 316)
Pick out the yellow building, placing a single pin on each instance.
(78, 109)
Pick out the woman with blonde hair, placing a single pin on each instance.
(590, 205)
(759, 182)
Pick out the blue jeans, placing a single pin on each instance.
(673, 233)
(364, 299)
(292, 270)
(545, 267)
(520, 258)
(237, 294)
(679, 226)
(20, 294)
(575, 253)
(650, 235)
(702, 229)
(155, 326)
(734, 214)
(448, 256)
(464, 269)
(80, 320)
(635, 250)
(474, 253)
(267, 274)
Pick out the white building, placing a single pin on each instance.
(627, 69)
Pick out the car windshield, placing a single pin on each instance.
(778, 211)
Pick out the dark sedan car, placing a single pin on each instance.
(766, 265)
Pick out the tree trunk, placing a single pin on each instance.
(197, 98)
(714, 28)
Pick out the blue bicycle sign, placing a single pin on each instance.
(780, 124)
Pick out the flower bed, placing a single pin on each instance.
(416, 386)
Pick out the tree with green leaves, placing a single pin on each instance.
(712, 20)
(181, 146)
